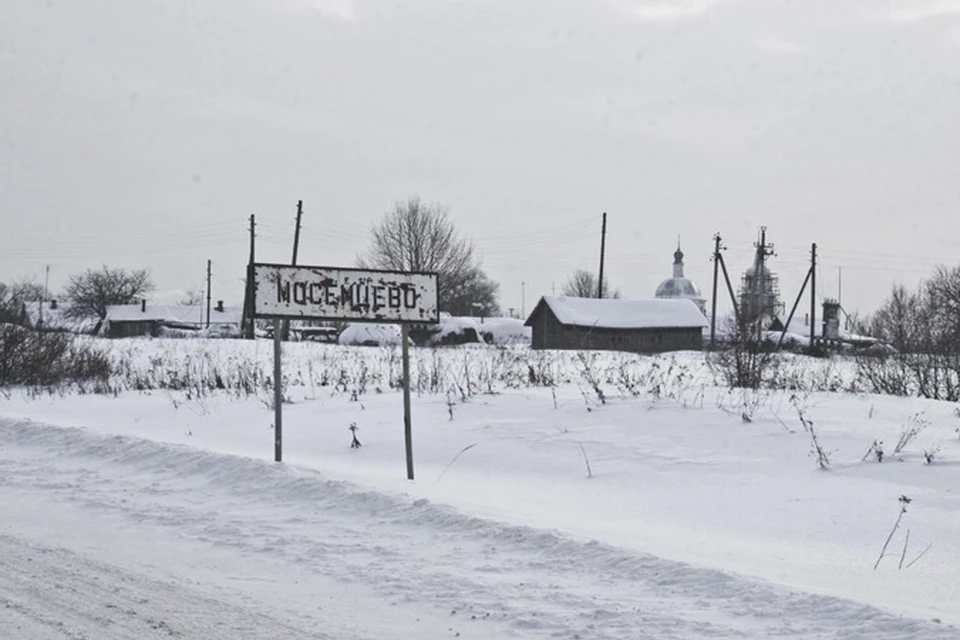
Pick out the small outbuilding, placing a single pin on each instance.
(639, 326)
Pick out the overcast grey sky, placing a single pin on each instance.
(143, 134)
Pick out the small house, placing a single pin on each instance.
(639, 326)
(130, 320)
(51, 315)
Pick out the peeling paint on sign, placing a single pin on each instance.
(330, 293)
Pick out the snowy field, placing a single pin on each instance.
(154, 509)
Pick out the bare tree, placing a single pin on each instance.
(92, 291)
(942, 293)
(14, 295)
(922, 331)
(191, 298)
(416, 236)
(583, 284)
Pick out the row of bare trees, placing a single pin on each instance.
(921, 328)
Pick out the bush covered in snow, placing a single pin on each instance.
(456, 330)
(505, 332)
(449, 331)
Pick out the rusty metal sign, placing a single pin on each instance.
(332, 293)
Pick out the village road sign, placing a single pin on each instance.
(332, 293)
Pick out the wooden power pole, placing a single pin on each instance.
(763, 250)
(209, 267)
(248, 310)
(813, 292)
(713, 304)
(603, 246)
(285, 325)
(296, 232)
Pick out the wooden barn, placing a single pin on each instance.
(639, 326)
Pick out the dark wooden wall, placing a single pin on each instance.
(548, 333)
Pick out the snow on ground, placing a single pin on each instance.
(161, 514)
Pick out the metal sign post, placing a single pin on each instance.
(407, 427)
(358, 295)
(277, 395)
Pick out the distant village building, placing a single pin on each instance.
(143, 319)
(639, 326)
(830, 332)
(831, 319)
(51, 315)
(679, 286)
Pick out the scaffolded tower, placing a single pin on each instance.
(759, 292)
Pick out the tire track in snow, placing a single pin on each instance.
(526, 581)
(54, 593)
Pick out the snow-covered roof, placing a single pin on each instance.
(176, 314)
(54, 315)
(623, 314)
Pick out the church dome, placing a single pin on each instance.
(679, 286)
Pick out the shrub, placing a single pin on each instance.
(46, 358)
(745, 362)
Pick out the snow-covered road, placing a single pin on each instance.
(51, 592)
(119, 537)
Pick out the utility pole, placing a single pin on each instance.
(733, 297)
(793, 310)
(813, 291)
(248, 310)
(285, 327)
(603, 246)
(209, 266)
(296, 233)
(46, 282)
(840, 286)
(763, 250)
(713, 304)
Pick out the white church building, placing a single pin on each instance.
(680, 286)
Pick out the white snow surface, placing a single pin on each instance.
(158, 514)
(625, 314)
